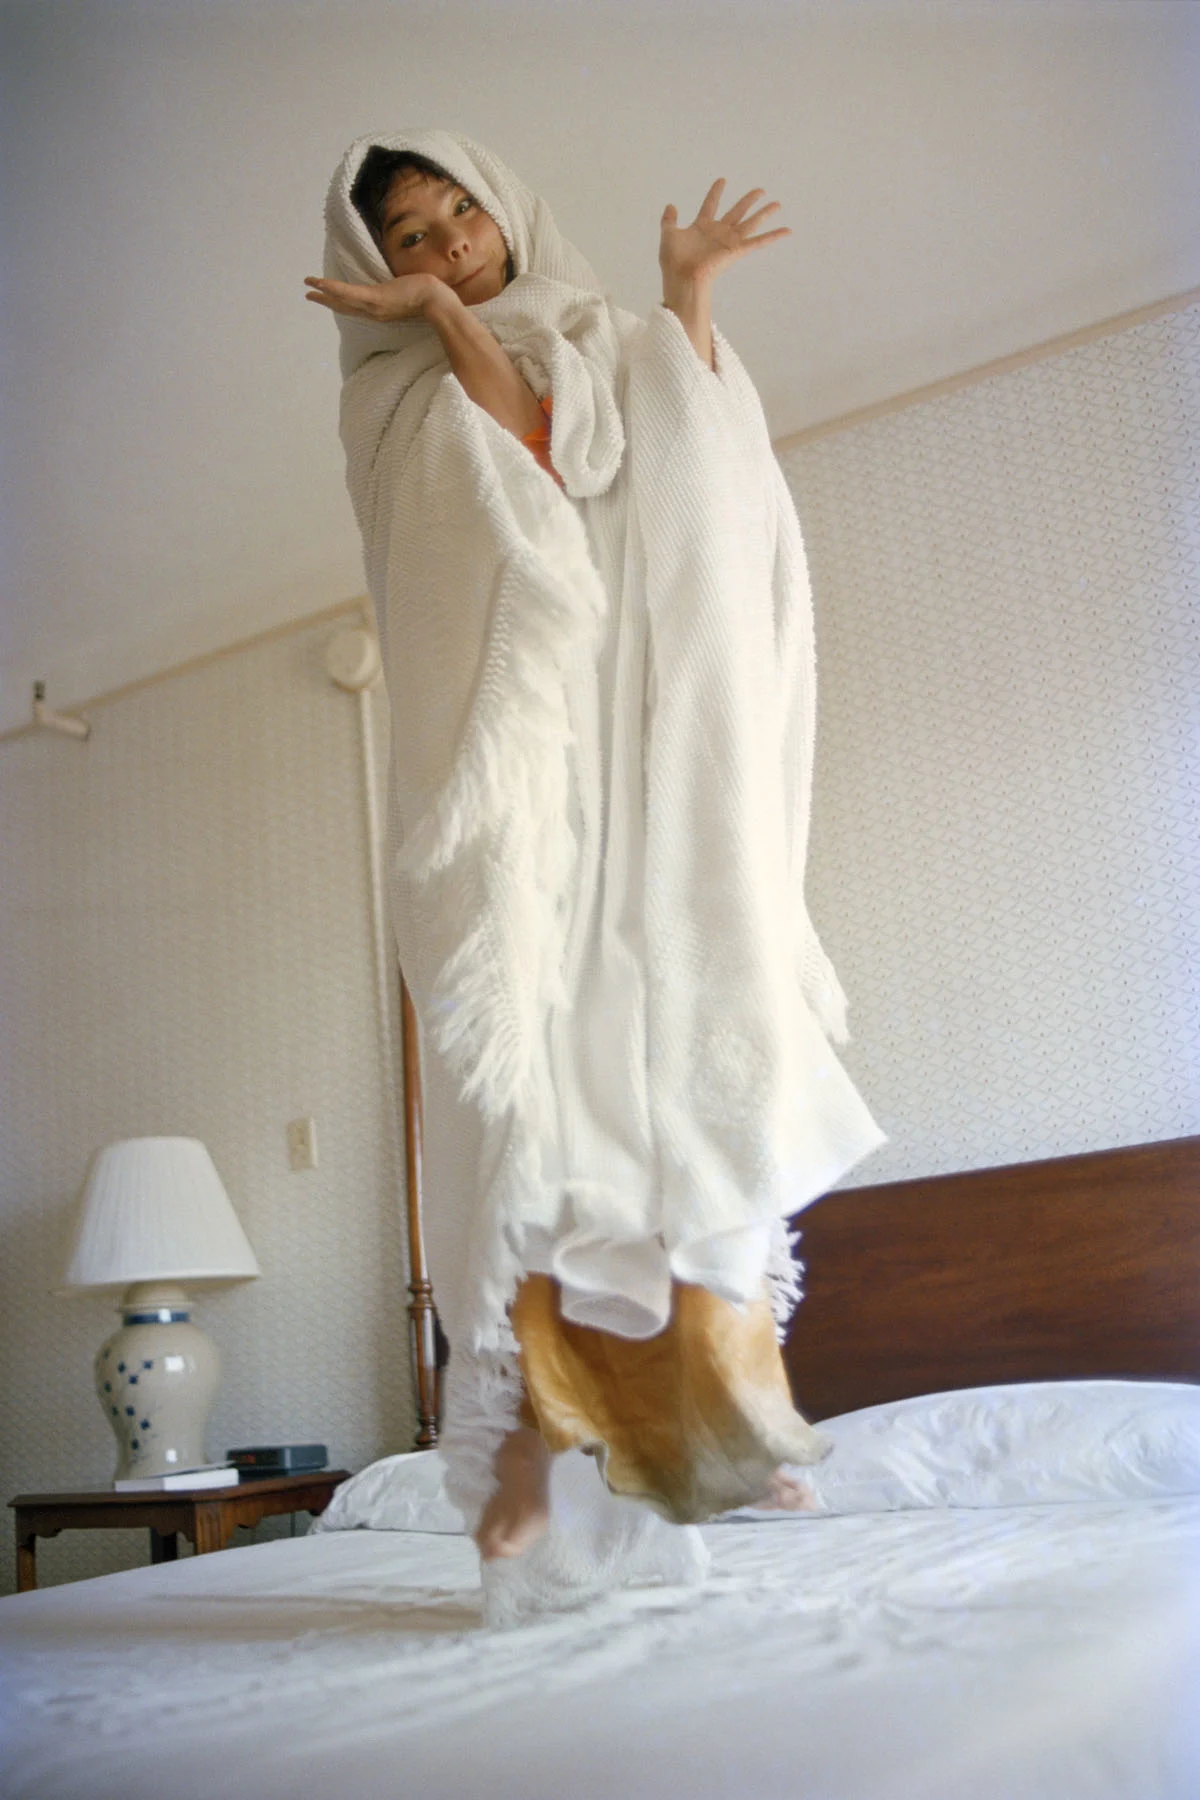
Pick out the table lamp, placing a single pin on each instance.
(154, 1215)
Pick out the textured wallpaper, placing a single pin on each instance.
(1005, 867)
(1006, 847)
(185, 947)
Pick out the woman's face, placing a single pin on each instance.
(432, 227)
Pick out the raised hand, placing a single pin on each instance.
(484, 371)
(692, 255)
(404, 297)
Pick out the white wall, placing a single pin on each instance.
(186, 947)
(1007, 803)
(963, 179)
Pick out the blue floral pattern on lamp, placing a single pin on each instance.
(155, 1380)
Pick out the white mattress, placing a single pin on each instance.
(1019, 1653)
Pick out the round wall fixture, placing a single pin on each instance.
(353, 659)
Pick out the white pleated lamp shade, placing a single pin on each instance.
(155, 1209)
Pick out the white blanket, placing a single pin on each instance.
(603, 709)
(1020, 1653)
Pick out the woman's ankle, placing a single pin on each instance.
(518, 1510)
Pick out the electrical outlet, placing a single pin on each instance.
(302, 1143)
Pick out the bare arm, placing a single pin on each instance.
(692, 256)
(485, 372)
(690, 301)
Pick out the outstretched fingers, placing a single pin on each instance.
(740, 207)
(755, 218)
(708, 208)
(745, 226)
(344, 297)
(766, 237)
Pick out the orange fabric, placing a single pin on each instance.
(693, 1421)
(538, 442)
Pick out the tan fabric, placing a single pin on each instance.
(693, 1421)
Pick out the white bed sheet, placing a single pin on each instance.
(1007, 1654)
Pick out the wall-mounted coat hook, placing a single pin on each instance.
(54, 721)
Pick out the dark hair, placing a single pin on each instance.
(376, 173)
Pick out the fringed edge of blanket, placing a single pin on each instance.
(784, 1275)
(507, 802)
(520, 713)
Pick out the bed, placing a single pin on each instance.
(997, 1601)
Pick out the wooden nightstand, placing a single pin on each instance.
(206, 1516)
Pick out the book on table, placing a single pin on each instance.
(213, 1475)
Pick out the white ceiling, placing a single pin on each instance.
(963, 178)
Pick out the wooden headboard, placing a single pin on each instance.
(1078, 1266)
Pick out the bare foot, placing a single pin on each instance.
(787, 1493)
(519, 1510)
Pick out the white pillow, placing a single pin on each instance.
(995, 1446)
(1009, 1446)
(400, 1493)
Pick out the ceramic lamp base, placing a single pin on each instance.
(156, 1379)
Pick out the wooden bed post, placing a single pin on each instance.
(421, 1311)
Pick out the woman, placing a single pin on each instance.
(595, 615)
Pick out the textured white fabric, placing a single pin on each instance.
(603, 706)
(595, 1541)
(1029, 1444)
(1028, 1653)
(397, 1493)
